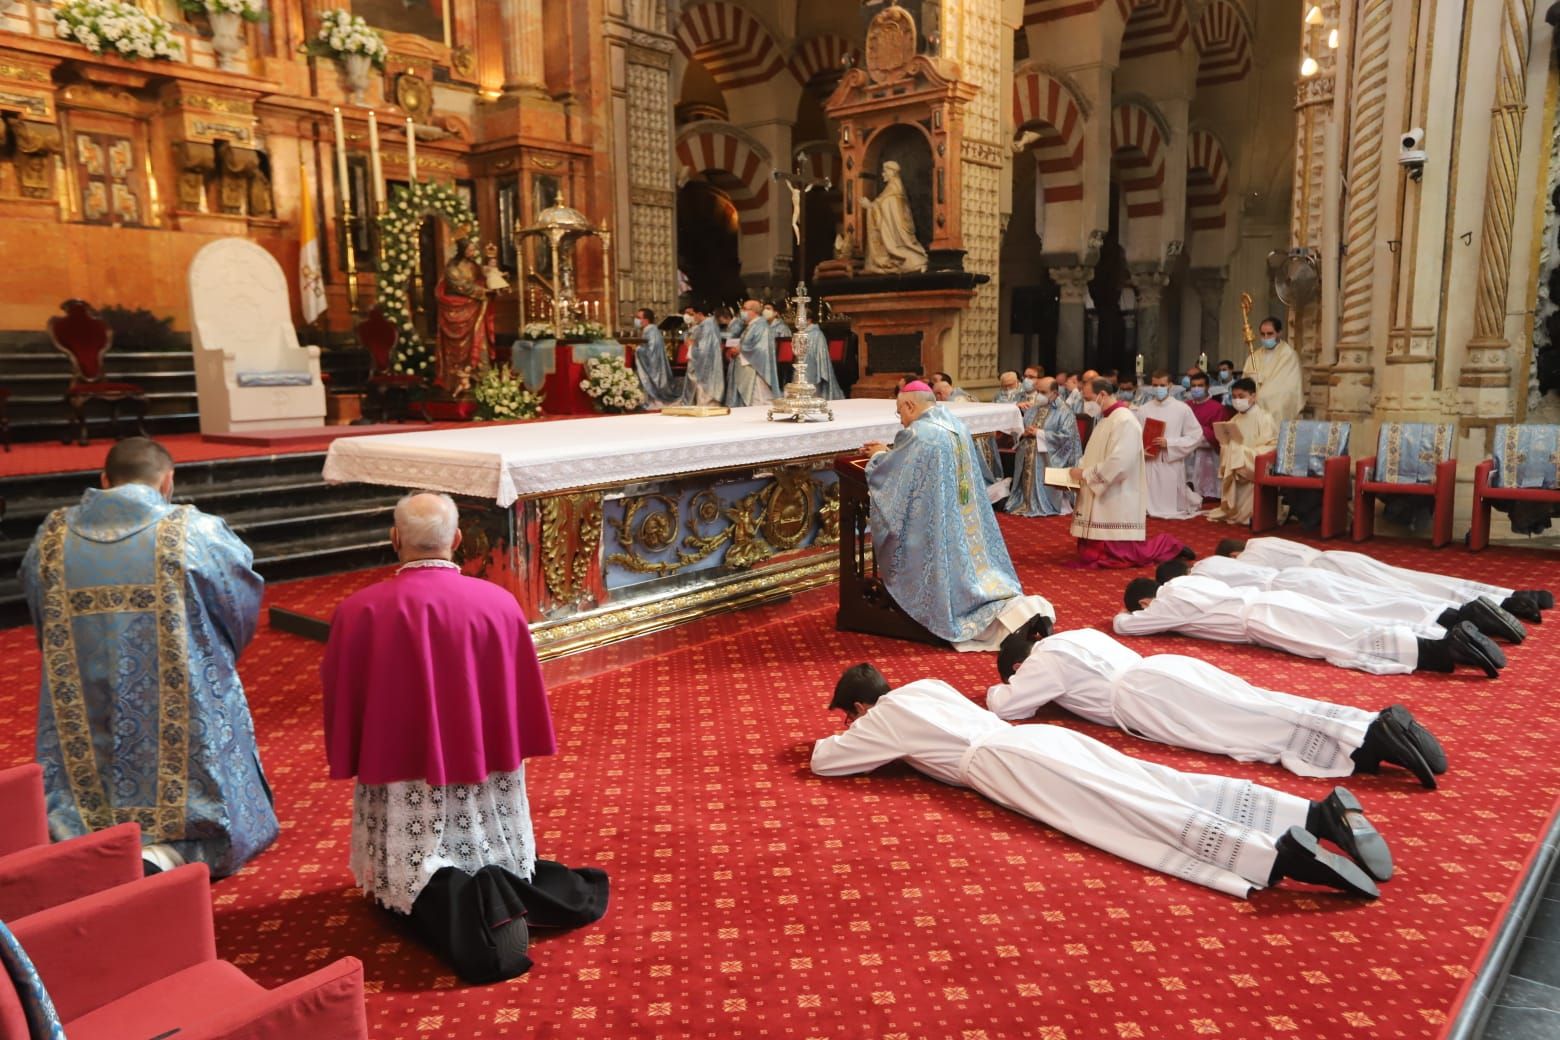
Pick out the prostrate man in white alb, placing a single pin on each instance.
(1169, 497)
(1209, 609)
(1527, 604)
(1230, 835)
(1383, 605)
(1188, 703)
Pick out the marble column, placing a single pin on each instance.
(1209, 283)
(1074, 285)
(524, 46)
(1149, 286)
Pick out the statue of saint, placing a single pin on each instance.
(891, 246)
(465, 320)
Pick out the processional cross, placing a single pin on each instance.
(800, 402)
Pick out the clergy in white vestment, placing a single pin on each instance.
(1206, 608)
(1275, 367)
(1527, 604)
(1169, 497)
(1238, 459)
(706, 379)
(1230, 835)
(936, 540)
(1382, 604)
(1188, 703)
(1110, 520)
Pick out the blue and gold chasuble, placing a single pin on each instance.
(142, 609)
(935, 537)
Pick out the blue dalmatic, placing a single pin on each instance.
(780, 330)
(752, 377)
(813, 346)
(1030, 495)
(1013, 396)
(706, 379)
(935, 537)
(142, 609)
(655, 369)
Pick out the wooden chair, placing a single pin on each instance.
(1311, 456)
(85, 338)
(379, 336)
(865, 602)
(1411, 459)
(1521, 469)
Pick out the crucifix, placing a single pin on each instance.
(799, 184)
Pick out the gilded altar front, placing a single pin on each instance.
(599, 565)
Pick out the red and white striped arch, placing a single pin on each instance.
(1223, 44)
(1154, 27)
(822, 55)
(1137, 156)
(731, 44)
(1041, 104)
(1207, 181)
(716, 153)
(1038, 11)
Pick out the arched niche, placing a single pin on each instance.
(909, 147)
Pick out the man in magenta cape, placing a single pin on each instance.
(433, 701)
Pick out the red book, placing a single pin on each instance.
(1153, 429)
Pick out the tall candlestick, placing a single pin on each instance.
(1140, 367)
(377, 171)
(343, 185)
(411, 150)
(1202, 363)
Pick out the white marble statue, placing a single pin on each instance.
(892, 247)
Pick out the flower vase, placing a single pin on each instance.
(227, 39)
(356, 67)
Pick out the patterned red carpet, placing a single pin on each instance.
(752, 899)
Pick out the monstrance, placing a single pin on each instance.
(562, 226)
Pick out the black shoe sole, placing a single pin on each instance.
(1327, 869)
(1368, 849)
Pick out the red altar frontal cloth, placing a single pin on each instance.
(432, 676)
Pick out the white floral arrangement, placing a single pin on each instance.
(248, 10)
(501, 394)
(118, 28)
(398, 231)
(342, 33)
(537, 330)
(585, 330)
(612, 385)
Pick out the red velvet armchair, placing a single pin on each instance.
(85, 338)
(34, 874)
(1501, 478)
(1398, 469)
(1311, 456)
(379, 336)
(140, 961)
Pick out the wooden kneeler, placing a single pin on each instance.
(865, 603)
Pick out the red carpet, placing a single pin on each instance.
(752, 899)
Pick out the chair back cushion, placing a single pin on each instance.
(27, 988)
(1407, 452)
(1526, 456)
(239, 304)
(83, 337)
(379, 336)
(1305, 445)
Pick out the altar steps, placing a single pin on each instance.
(297, 525)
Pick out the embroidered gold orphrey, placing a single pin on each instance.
(166, 819)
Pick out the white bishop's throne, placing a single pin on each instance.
(250, 372)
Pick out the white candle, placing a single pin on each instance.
(378, 171)
(341, 163)
(411, 150)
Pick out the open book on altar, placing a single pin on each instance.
(1227, 433)
(1153, 429)
(1058, 477)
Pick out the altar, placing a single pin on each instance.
(610, 527)
(554, 369)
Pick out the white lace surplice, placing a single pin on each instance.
(403, 833)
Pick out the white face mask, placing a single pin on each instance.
(1241, 404)
(639, 322)
(769, 315)
(1092, 409)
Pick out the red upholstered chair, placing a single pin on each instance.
(1311, 456)
(379, 336)
(1411, 459)
(140, 960)
(35, 875)
(1522, 469)
(84, 338)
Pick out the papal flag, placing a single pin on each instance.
(311, 279)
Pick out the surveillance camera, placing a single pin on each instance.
(1411, 151)
(1414, 139)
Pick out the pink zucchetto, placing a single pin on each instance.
(915, 386)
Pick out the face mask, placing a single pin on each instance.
(1091, 409)
(1269, 344)
(639, 323)
(1123, 395)
(769, 315)
(688, 319)
(1199, 392)
(1161, 392)
(1186, 381)
(1225, 375)
(1028, 384)
(1241, 404)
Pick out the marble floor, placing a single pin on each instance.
(1527, 1005)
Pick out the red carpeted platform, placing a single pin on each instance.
(753, 899)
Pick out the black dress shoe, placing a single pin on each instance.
(1543, 599)
(1488, 617)
(1520, 605)
(1397, 737)
(1301, 858)
(1186, 553)
(1471, 647)
(1340, 819)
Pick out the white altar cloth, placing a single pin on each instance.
(504, 463)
